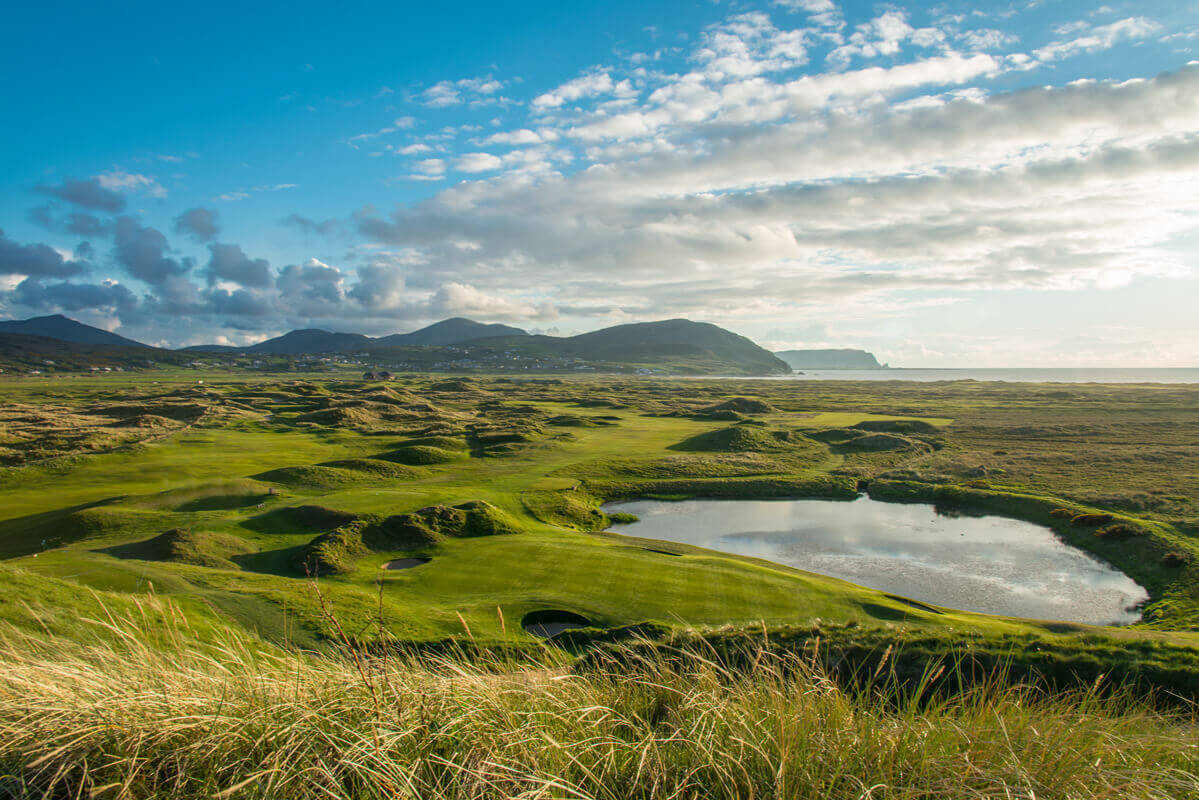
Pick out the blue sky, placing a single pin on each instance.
(955, 184)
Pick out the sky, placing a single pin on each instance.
(955, 184)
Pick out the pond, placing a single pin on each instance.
(988, 564)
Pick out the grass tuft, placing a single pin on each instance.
(134, 711)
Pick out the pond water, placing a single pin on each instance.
(989, 564)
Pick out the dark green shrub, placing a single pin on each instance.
(1061, 513)
(1091, 520)
(1174, 559)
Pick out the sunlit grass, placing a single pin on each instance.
(141, 709)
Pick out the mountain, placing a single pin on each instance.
(676, 346)
(22, 353)
(312, 340)
(830, 359)
(449, 331)
(676, 339)
(65, 329)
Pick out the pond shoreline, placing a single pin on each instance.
(985, 563)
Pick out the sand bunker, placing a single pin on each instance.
(405, 563)
(549, 623)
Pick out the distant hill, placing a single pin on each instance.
(311, 340)
(449, 331)
(677, 339)
(22, 353)
(676, 346)
(66, 329)
(314, 340)
(830, 359)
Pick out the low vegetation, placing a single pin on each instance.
(130, 713)
(196, 601)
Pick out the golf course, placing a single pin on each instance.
(429, 522)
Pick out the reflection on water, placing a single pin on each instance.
(989, 564)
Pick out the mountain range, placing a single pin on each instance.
(314, 340)
(677, 346)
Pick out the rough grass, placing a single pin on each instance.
(127, 713)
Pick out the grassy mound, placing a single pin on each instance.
(337, 551)
(714, 465)
(442, 442)
(374, 468)
(420, 455)
(312, 477)
(223, 502)
(742, 405)
(896, 426)
(342, 417)
(876, 442)
(573, 421)
(565, 509)
(25, 535)
(389, 395)
(794, 448)
(736, 439)
(836, 436)
(460, 385)
(200, 548)
(299, 519)
(433, 523)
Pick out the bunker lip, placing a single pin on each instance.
(548, 623)
(404, 563)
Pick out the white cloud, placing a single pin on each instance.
(1103, 37)
(431, 166)
(747, 45)
(452, 93)
(884, 36)
(691, 101)
(414, 149)
(825, 13)
(593, 84)
(120, 181)
(460, 299)
(1051, 188)
(517, 137)
(477, 162)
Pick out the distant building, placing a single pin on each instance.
(368, 376)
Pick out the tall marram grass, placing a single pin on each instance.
(144, 710)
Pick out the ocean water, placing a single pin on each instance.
(1012, 375)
